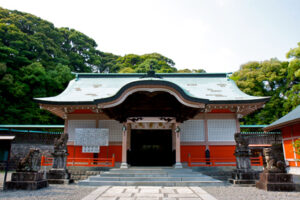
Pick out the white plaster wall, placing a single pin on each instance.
(221, 129)
(192, 131)
(72, 124)
(115, 129)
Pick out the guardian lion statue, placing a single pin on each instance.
(31, 162)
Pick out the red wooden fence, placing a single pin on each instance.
(213, 162)
(83, 162)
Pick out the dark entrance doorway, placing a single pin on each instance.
(151, 148)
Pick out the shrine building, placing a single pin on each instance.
(289, 125)
(153, 119)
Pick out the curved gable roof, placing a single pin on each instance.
(197, 87)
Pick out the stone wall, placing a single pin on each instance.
(24, 141)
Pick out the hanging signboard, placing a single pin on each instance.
(91, 139)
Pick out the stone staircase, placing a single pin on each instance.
(151, 176)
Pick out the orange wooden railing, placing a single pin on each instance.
(257, 161)
(213, 162)
(83, 162)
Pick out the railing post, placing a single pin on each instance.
(113, 160)
(261, 162)
(42, 160)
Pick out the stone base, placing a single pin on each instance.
(26, 181)
(59, 176)
(178, 165)
(242, 182)
(246, 178)
(26, 185)
(276, 182)
(60, 181)
(124, 166)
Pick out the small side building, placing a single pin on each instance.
(289, 125)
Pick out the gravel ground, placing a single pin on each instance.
(249, 193)
(66, 192)
(53, 192)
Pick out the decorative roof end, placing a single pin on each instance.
(151, 74)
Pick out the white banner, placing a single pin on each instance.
(90, 149)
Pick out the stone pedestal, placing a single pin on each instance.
(243, 173)
(178, 165)
(26, 181)
(276, 182)
(124, 165)
(59, 173)
(59, 176)
(246, 178)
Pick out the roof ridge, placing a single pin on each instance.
(207, 75)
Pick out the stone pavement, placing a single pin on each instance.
(148, 193)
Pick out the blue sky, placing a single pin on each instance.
(216, 35)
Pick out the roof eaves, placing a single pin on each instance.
(281, 125)
(259, 100)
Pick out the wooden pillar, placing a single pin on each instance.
(128, 136)
(66, 126)
(124, 164)
(238, 129)
(206, 132)
(173, 138)
(96, 155)
(177, 141)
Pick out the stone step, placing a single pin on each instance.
(187, 175)
(99, 178)
(152, 175)
(151, 183)
(134, 175)
(129, 171)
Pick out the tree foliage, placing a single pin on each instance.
(191, 71)
(296, 145)
(132, 63)
(36, 60)
(272, 78)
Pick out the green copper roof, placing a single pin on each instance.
(28, 131)
(253, 126)
(89, 88)
(30, 126)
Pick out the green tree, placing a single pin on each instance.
(191, 71)
(266, 78)
(132, 63)
(293, 79)
(296, 145)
